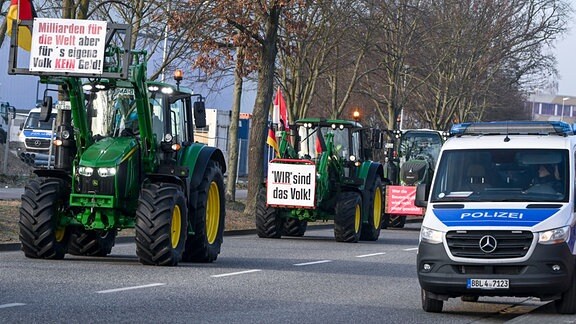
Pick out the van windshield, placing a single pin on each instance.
(531, 175)
(33, 122)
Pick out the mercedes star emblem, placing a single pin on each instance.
(37, 142)
(488, 244)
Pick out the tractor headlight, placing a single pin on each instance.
(85, 171)
(554, 236)
(106, 172)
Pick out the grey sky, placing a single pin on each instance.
(565, 54)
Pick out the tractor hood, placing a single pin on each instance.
(109, 152)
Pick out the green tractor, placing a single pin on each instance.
(125, 158)
(411, 159)
(325, 175)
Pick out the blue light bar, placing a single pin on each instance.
(513, 128)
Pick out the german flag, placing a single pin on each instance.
(271, 140)
(21, 10)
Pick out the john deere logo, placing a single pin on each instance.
(95, 183)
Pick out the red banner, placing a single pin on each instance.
(400, 201)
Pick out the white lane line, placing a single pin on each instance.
(12, 305)
(411, 249)
(370, 255)
(311, 263)
(129, 288)
(234, 273)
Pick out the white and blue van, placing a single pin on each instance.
(500, 215)
(36, 135)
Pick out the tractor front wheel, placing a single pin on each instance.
(348, 218)
(268, 223)
(295, 227)
(374, 209)
(91, 243)
(208, 218)
(44, 202)
(161, 224)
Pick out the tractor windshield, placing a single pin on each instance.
(115, 113)
(313, 143)
(420, 145)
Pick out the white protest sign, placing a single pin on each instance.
(67, 45)
(291, 185)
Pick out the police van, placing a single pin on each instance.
(35, 135)
(500, 215)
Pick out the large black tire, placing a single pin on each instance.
(374, 209)
(91, 243)
(295, 227)
(44, 201)
(161, 224)
(430, 305)
(348, 217)
(393, 221)
(268, 223)
(208, 218)
(567, 303)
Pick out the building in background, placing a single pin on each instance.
(552, 107)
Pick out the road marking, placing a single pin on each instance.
(411, 249)
(130, 288)
(311, 263)
(235, 273)
(370, 255)
(12, 305)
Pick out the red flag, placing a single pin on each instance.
(271, 140)
(280, 109)
(319, 142)
(21, 10)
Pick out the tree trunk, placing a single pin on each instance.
(233, 131)
(261, 111)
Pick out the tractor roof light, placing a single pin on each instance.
(178, 75)
(356, 114)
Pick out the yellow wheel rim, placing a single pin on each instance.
(377, 208)
(176, 227)
(212, 213)
(59, 234)
(357, 218)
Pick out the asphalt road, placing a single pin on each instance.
(312, 279)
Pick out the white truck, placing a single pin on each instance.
(500, 215)
(36, 135)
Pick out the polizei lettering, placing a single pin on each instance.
(492, 214)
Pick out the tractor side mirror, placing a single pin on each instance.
(377, 139)
(46, 109)
(199, 114)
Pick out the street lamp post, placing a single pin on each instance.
(563, 100)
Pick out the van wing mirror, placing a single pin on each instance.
(199, 114)
(422, 191)
(46, 109)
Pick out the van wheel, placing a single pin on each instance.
(567, 304)
(430, 305)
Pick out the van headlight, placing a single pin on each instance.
(554, 236)
(429, 235)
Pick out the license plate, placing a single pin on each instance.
(488, 283)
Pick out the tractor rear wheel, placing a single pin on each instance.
(268, 222)
(295, 227)
(44, 202)
(91, 243)
(161, 224)
(207, 217)
(348, 218)
(374, 209)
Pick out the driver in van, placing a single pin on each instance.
(548, 175)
